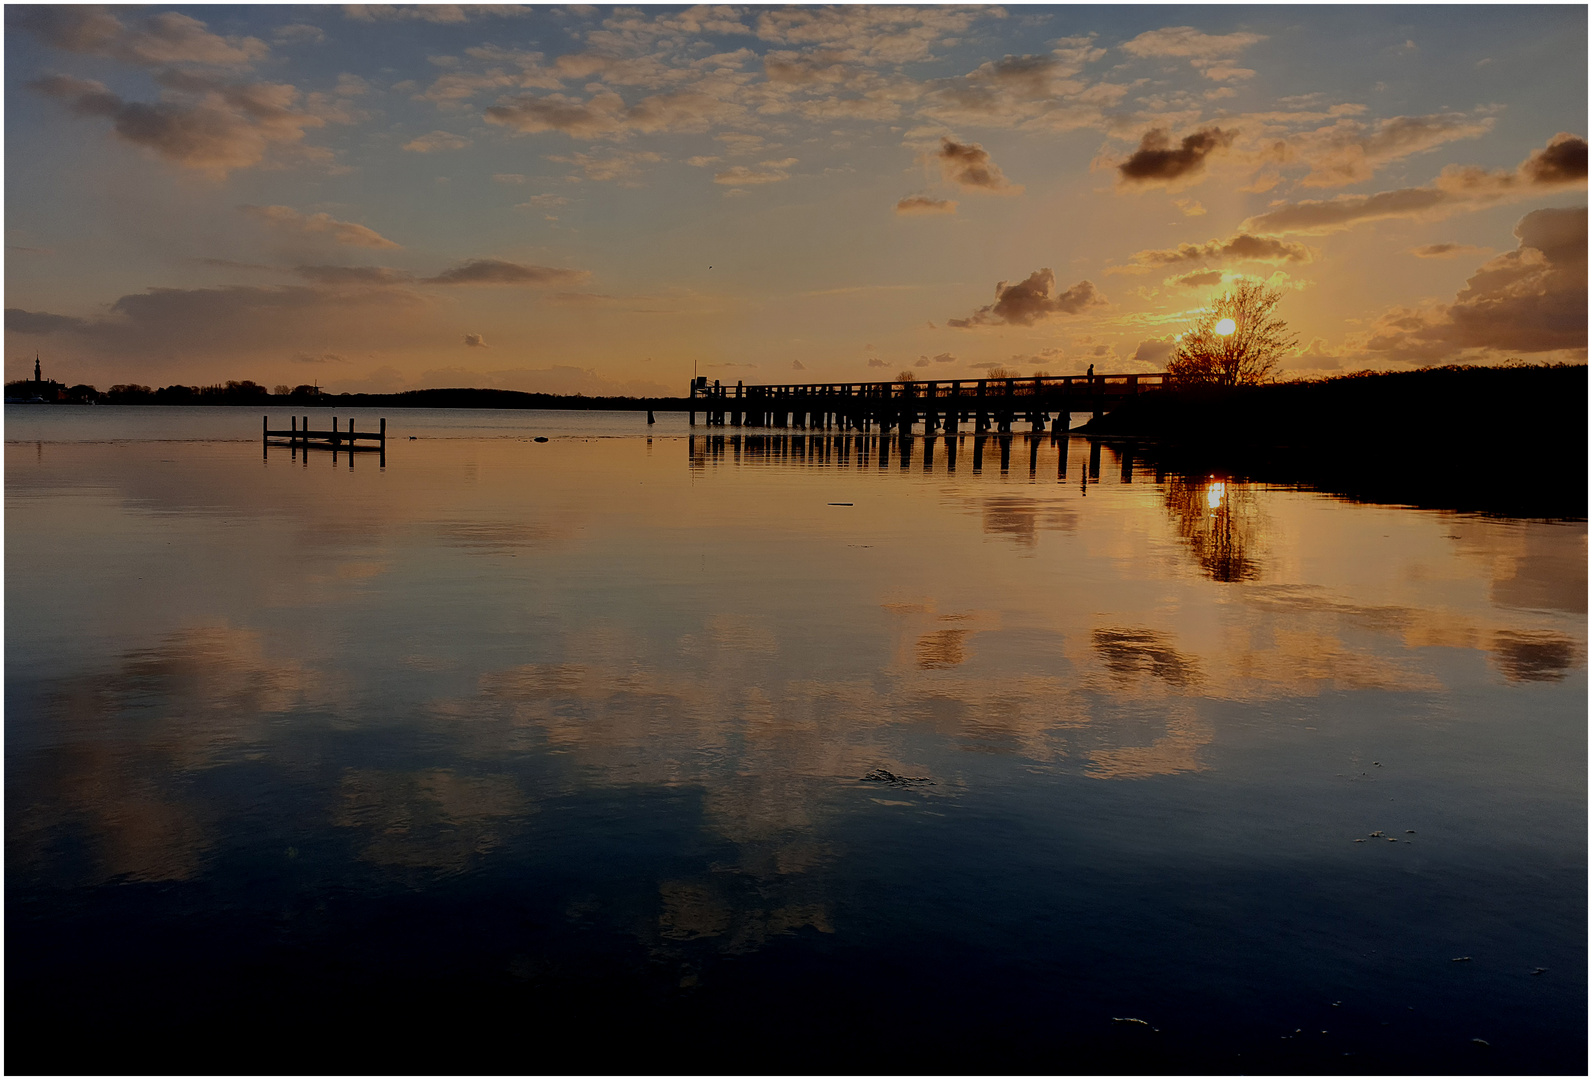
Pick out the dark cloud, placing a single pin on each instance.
(1028, 301)
(499, 272)
(605, 114)
(211, 126)
(42, 322)
(1155, 351)
(968, 165)
(1195, 279)
(1241, 248)
(1561, 163)
(1445, 251)
(1530, 300)
(924, 204)
(153, 41)
(874, 361)
(1157, 161)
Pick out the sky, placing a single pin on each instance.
(614, 199)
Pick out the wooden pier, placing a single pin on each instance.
(939, 405)
(334, 438)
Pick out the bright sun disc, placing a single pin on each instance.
(1225, 327)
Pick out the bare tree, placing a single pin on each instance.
(1248, 353)
(906, 376)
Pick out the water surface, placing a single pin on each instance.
(770, 754)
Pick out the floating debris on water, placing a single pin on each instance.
(1133, 1020)
(1460, 959)
(540, 438)
(1481, 1042)
(1410, 831)
(885, 776)
(1538, 971)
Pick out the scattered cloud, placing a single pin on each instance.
(1186, 41)
(354, 275)
(299, 34)
(968, 165)
(1561, 163)
(1195, 279)
(432, 13)
(159, 40)
(434, 141)
(286, 219)
(545, 201)
(873, 361)
(509, 177)
(924, 204)
(620, 166)
(1158, 162)
(797, 365)
(1155, 350)
(1350, 151)
(499, 272)
(202, 123)
(1243, 247)
(1028, 301)
(1189, 207)
(767, 172)
(1445, 250)
(475, 341)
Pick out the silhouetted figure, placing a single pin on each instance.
(1091, 373)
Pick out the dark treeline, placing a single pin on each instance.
(247, 392)
(1502, 440)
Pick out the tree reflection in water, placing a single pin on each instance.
(1221, 522)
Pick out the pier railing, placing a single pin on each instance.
(333, 438)
(936, 402)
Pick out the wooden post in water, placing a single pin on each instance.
(384, 439)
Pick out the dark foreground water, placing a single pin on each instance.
(605, 754)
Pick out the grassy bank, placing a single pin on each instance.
(1509, 441)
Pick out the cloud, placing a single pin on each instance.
(1156, 161)
(1187, 41)
(874, 361)
(432, 13)
(939, 358)
(509, 177)
(605, 114)
(159, 40)
(1155, 351)
(617, 165)
(924, 204)
(542, 202)
(1243, 247)
(1350, 151)
(1445, 250)
(21, 321)
(286, 219)
(797, 365)
(968, 165)
(203, 124)
(1189, 207)
(767, 172)
(434, 141)
(499, 272)
(354, 275)
(299, 33)
(475, 341)
(1561, 163)
(1195, 279)
(1530, 300)
(188, 328)
(1028, 301)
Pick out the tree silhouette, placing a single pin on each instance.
(1245, 356)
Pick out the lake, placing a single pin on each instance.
(768, 751)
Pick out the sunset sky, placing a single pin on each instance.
(605, 200)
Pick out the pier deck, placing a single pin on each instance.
(939, 405)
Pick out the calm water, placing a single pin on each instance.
(616, 753)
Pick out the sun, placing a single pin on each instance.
(1225, 327)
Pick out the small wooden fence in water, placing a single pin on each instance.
(333, 438)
